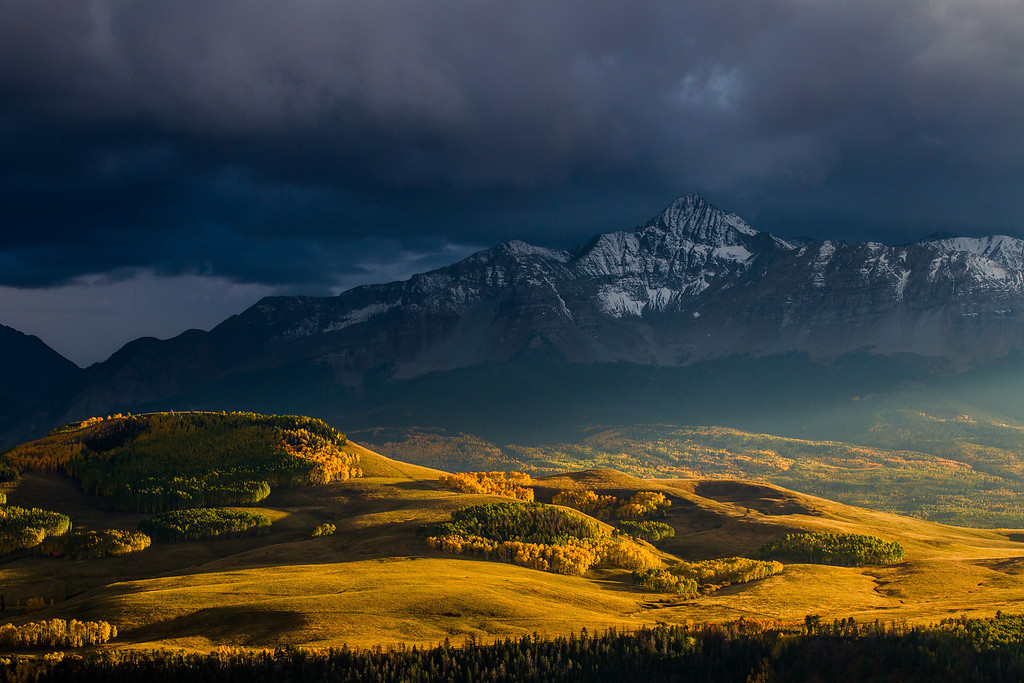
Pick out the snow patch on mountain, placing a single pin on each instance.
(825, 252)
(1003, 250)
(618, 303)
(737, 253)
(361, 315)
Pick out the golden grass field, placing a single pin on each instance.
(376, 582)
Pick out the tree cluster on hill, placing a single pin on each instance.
(847, 550)
(168, 461)
(8, 472)
(325, 529)
(507, 484)
(714, 574)
(744, 650)
(638, 506)
(199, 524)
(646, 530)
(84, 545)
(536, 536)
(705, 576)
(55, 633)
(26, 528)
(664, 581)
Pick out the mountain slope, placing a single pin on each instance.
(28, 370)
(693, 284)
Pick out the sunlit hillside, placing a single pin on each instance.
(349, 561)
(956, 470)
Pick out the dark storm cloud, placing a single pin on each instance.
(276, 142)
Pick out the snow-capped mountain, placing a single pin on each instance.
(694, 283)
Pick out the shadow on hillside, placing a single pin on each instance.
(238, 625)
(420, 485)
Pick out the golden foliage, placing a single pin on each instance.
(56, 633)
(574, 557)
(331, 463)
(325, 529)
(507, 484)
(642, 504)
(714, 574)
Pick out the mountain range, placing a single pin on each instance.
(692, 288)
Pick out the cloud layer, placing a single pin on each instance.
(290, 144)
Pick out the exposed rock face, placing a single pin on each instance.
(694, 283)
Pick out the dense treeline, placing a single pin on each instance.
(199, 524)
(154, 494)
(954, 650)
(647, 530)
(640, 505)
(507, 484)
(26, 528)
(848, 550)
(84, 545)
(55, 633)
(169, 461)
(536, 536)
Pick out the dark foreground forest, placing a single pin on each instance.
(954, 650)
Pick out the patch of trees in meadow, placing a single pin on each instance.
(507, 484)
(325, 529)
(198, 524)
(537, 536)
(55, 633)
(85, 545)
(706, 576)
(170, 461)
(646, 530)
(846, 550)
(26, 528)
(744, 650)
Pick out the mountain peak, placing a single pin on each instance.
(694, 218)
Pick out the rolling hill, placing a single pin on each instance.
(374, 581)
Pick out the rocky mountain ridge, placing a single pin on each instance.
(694, 283)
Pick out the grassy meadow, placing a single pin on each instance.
(374, 581)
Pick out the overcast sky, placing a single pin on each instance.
(165, 164)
